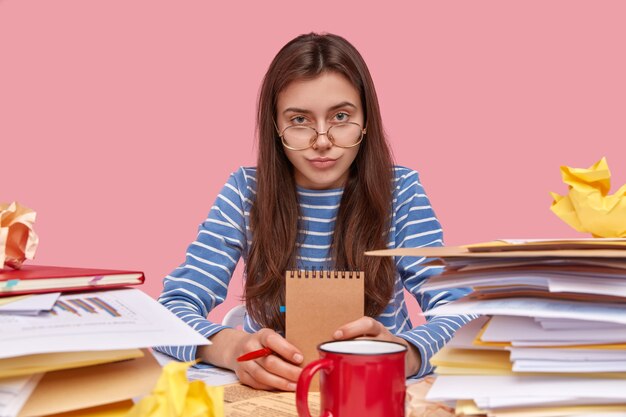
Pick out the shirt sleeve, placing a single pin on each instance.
(417, 226)
(200, 284)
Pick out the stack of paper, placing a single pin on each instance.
(552, 337)
(83, 350)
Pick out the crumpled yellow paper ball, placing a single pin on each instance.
(18, 240)
(588, 207)
(175, 396)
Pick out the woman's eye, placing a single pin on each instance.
(298, 120)
(341, 117)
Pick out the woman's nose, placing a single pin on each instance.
(323, 141)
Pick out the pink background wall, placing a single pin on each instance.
(121, 120)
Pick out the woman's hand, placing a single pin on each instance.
(277, 371)
(367, 327)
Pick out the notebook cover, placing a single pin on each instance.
(317, 303)
(41, 272)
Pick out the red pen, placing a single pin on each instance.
(255, 354)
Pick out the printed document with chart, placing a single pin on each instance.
(104, 320)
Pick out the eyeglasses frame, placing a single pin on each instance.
(281, 135)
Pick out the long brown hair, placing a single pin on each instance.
(364, 213)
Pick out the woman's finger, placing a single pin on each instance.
(365, 326)
(247, 379)
(261, 378)
(281, 346)
(277, 366)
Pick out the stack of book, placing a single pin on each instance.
(76, 338)
(551, 339)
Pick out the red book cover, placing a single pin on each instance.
(36, 279)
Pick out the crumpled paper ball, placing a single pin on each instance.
(18, 240)
(588, 207)
(175, 396)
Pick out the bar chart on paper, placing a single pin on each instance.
(102, 320)
(85, 306)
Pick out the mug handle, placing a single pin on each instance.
(304, 382)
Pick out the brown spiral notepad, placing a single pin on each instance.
(317, 303)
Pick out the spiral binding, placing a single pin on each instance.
(315, 273)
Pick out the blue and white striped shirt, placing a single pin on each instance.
(193, 289)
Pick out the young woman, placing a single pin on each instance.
(324, 191)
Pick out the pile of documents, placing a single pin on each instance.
(551, 339)
(62, 352)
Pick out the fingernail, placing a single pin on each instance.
(338, 334)
(297, 358)
(291, 386)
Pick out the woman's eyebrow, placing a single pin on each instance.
(343, 104)
(335, 107)
(296, 110)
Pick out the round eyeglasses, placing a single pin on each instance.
(343, 135)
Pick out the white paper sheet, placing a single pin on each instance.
(103, 320)
(564, 324)
(14, 392)
(441, 282)
(535, 307)
(557, 343)
(607, 414)
(464, 337)
(574, 283)
(520, 329)
(518, 353)
(505, 402)
(31, 305)
(568, 366)
(452, 387)
(591, 286)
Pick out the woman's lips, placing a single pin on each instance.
(323, 162)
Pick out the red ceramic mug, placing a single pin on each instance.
(357, 378)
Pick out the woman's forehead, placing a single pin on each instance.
(328, 91)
